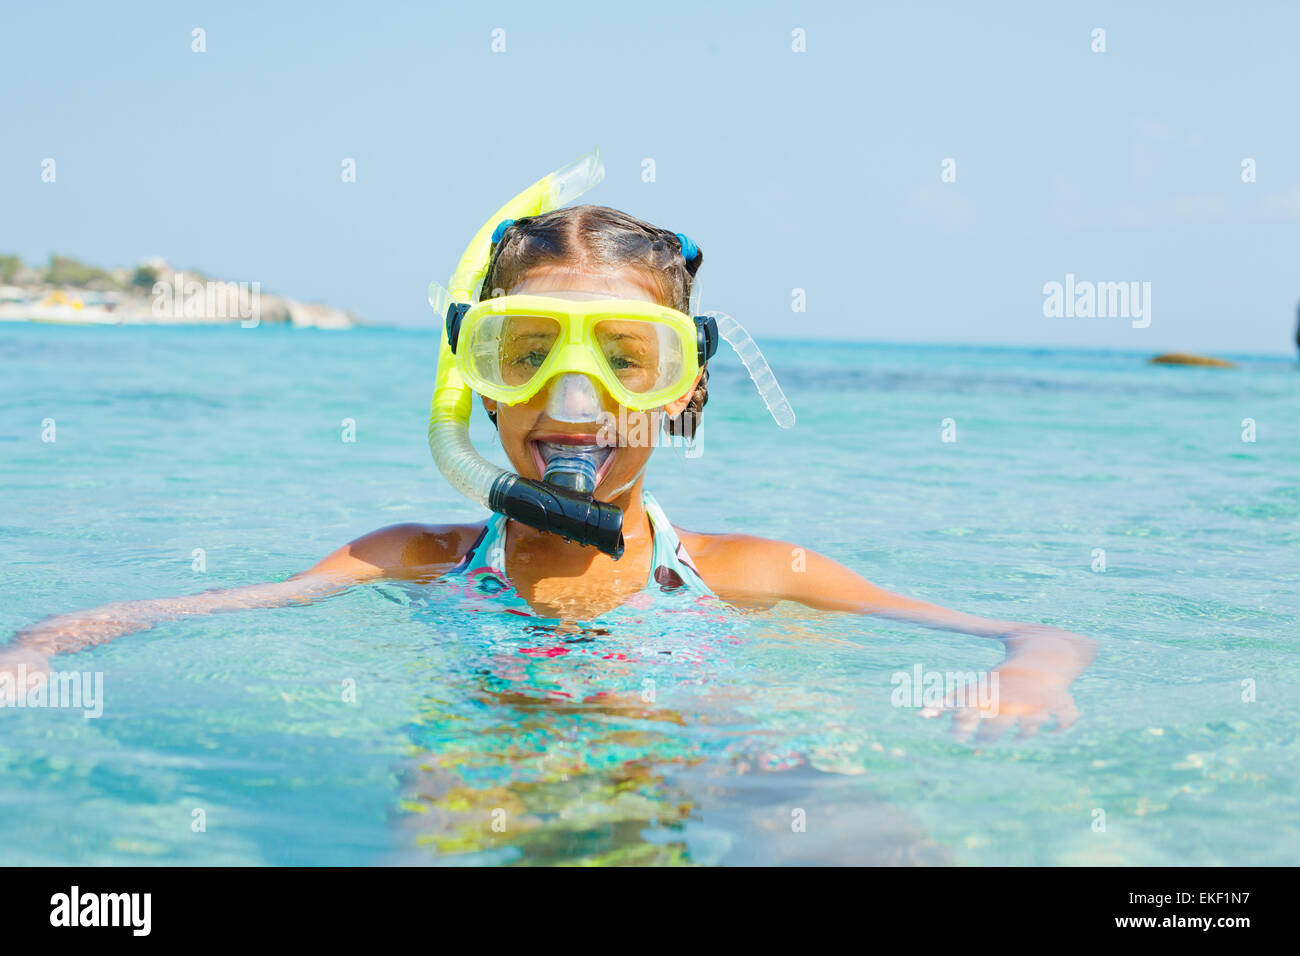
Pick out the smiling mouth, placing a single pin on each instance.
(544, 451)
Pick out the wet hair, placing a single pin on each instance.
(600, 236)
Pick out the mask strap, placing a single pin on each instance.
(769, 389)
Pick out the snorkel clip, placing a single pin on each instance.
(706, 337)
(455, 313)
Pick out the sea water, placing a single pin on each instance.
(1155, 509)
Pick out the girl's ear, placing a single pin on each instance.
(678, 405)
(490, 406)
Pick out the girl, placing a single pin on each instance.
(577, 433)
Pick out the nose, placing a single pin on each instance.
(574, 398)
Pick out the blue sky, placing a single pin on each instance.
(817, 170)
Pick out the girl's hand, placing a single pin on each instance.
(1026, 697)
(1032, 686)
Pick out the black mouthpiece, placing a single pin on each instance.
(570, 514)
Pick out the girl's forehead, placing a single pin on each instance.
(578, 283)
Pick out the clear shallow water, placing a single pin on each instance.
(229, 440)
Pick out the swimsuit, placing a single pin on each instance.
(674, 583)
(633, 666)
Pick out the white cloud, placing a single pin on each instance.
(1283, 205)
(940, 205)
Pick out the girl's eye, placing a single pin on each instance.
(621, 362)
(535, 359)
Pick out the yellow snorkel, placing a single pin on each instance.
(572, 515)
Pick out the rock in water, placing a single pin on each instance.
(1183, 358)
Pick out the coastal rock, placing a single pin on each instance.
(309, 315)
(1184, 358)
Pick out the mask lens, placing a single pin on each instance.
(508, 350)
(644, 356)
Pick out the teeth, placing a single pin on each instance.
(549, 450)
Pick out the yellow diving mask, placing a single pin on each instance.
(646, 355)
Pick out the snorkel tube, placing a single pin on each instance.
(572, 515)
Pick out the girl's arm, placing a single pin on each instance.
(401, 550)
(1033, 679)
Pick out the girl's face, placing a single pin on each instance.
(526, 429)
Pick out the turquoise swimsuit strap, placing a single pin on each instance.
(671, 567)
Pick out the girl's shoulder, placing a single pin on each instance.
(404, 549)
(741, 567)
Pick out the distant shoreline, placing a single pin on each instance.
(68, 292)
